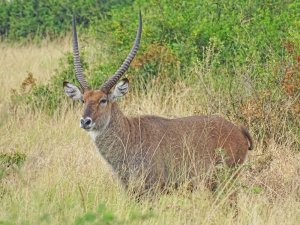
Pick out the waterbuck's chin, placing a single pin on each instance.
(156, 148)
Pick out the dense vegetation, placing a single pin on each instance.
(244, 54)
(36, 19)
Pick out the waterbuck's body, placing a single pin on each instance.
(151, 147)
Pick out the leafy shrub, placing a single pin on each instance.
(20, 19)
(9, 162)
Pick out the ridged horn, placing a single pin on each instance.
(123, 68)
(77, 65)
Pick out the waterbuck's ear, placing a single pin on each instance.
(72, 91)
(120, 89)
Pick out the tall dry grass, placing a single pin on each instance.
(16, 61)
(64, 181)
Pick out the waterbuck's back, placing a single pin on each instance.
(200, 135)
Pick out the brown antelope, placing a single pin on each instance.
(150, 145)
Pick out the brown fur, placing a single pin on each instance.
(157, 147)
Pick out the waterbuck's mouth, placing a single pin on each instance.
(87, 128)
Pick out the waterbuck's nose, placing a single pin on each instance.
(86, 123)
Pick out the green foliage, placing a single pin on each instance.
(242, 32)
(29, 19)
(101, 216)
(9, 163)
(104, 216)
(257, 190)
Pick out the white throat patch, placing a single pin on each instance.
(94, 134)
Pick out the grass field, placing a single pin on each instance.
(64, 181)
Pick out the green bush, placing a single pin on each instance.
(28, 19)
(10, 162)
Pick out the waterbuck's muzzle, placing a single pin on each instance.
(86, 123)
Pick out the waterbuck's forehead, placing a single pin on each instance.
(93, 96)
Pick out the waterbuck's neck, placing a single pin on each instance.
(111, 141)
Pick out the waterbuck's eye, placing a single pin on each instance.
(103, 101)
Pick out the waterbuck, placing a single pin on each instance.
(157, 148)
